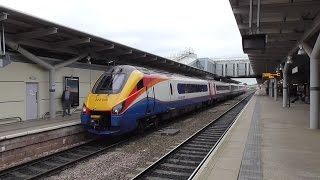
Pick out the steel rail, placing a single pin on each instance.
(52, 163)
(176, 172)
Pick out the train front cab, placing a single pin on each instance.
(103, 108)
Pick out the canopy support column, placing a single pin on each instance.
(315, 85)
(285, 85)
(275, 89)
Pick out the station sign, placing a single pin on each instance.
(270, 75)
(295, 70)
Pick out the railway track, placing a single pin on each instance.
(185, 160)
(55, 162)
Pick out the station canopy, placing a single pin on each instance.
(286, 24)
(47, 39)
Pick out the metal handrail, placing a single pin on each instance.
(60, 113)
(8, 118)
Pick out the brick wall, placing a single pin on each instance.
(22, 149)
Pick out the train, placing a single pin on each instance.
(128, 99)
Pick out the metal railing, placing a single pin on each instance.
(60, 113)
(8, 120)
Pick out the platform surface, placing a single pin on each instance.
(267, 142)
(15, 129)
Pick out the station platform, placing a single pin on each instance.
(267, 142)
(21, 128)
(24, 141)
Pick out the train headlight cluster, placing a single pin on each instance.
(118, 108)
(85, 110)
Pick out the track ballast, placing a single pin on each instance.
(184, 161)
(55, 162)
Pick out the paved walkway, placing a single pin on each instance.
(16, 129)
(267, 142)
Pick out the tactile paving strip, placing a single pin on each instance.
(251, 161)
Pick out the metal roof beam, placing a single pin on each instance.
(71, 42)
(278, 25)
(97, 49)
(283, 37)
(151, 59)
(103, 48)
(132, 56)
(37, 33)
(19, 23)
(117, 53)
(44, 45)
(311, 31)
(279, 44)
(163, 61)
(285, 8)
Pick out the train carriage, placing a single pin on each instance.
(127, 98)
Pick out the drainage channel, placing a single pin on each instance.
(184, 161)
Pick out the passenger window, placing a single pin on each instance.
(171, 88)
(140, 85)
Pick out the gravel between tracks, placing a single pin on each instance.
(133, 156)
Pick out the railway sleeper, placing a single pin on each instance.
(10, 176)
(42, 165)
(208, 136)
(176, 168)
(199, 145)
(70, 155)
(194, 152)
(172, 166)
(204, 138)
(19, 175)
(212, 133)
(207, 140)
(40, 169)
(196, 149)
(183, 162)
(181, 154)
(188, 158)
(169, 174)
(201, 142)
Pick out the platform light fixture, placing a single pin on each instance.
(88, 59)
(109, 62)
(301, 51)
(289, 60)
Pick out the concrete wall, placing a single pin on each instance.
(13, 79)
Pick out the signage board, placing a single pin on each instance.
(270, 75)
(295, 70)
(73, 84)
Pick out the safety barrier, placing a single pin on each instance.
(8, 120)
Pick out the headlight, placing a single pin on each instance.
(85, 110)
(118, 108)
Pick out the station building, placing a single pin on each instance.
(24, 87)
(225, 66)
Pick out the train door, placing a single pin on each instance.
(150, 100)
(210, 90)
(171, 93)
(214, 90)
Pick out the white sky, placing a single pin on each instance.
(162, 27)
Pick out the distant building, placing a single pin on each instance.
(233, 66)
